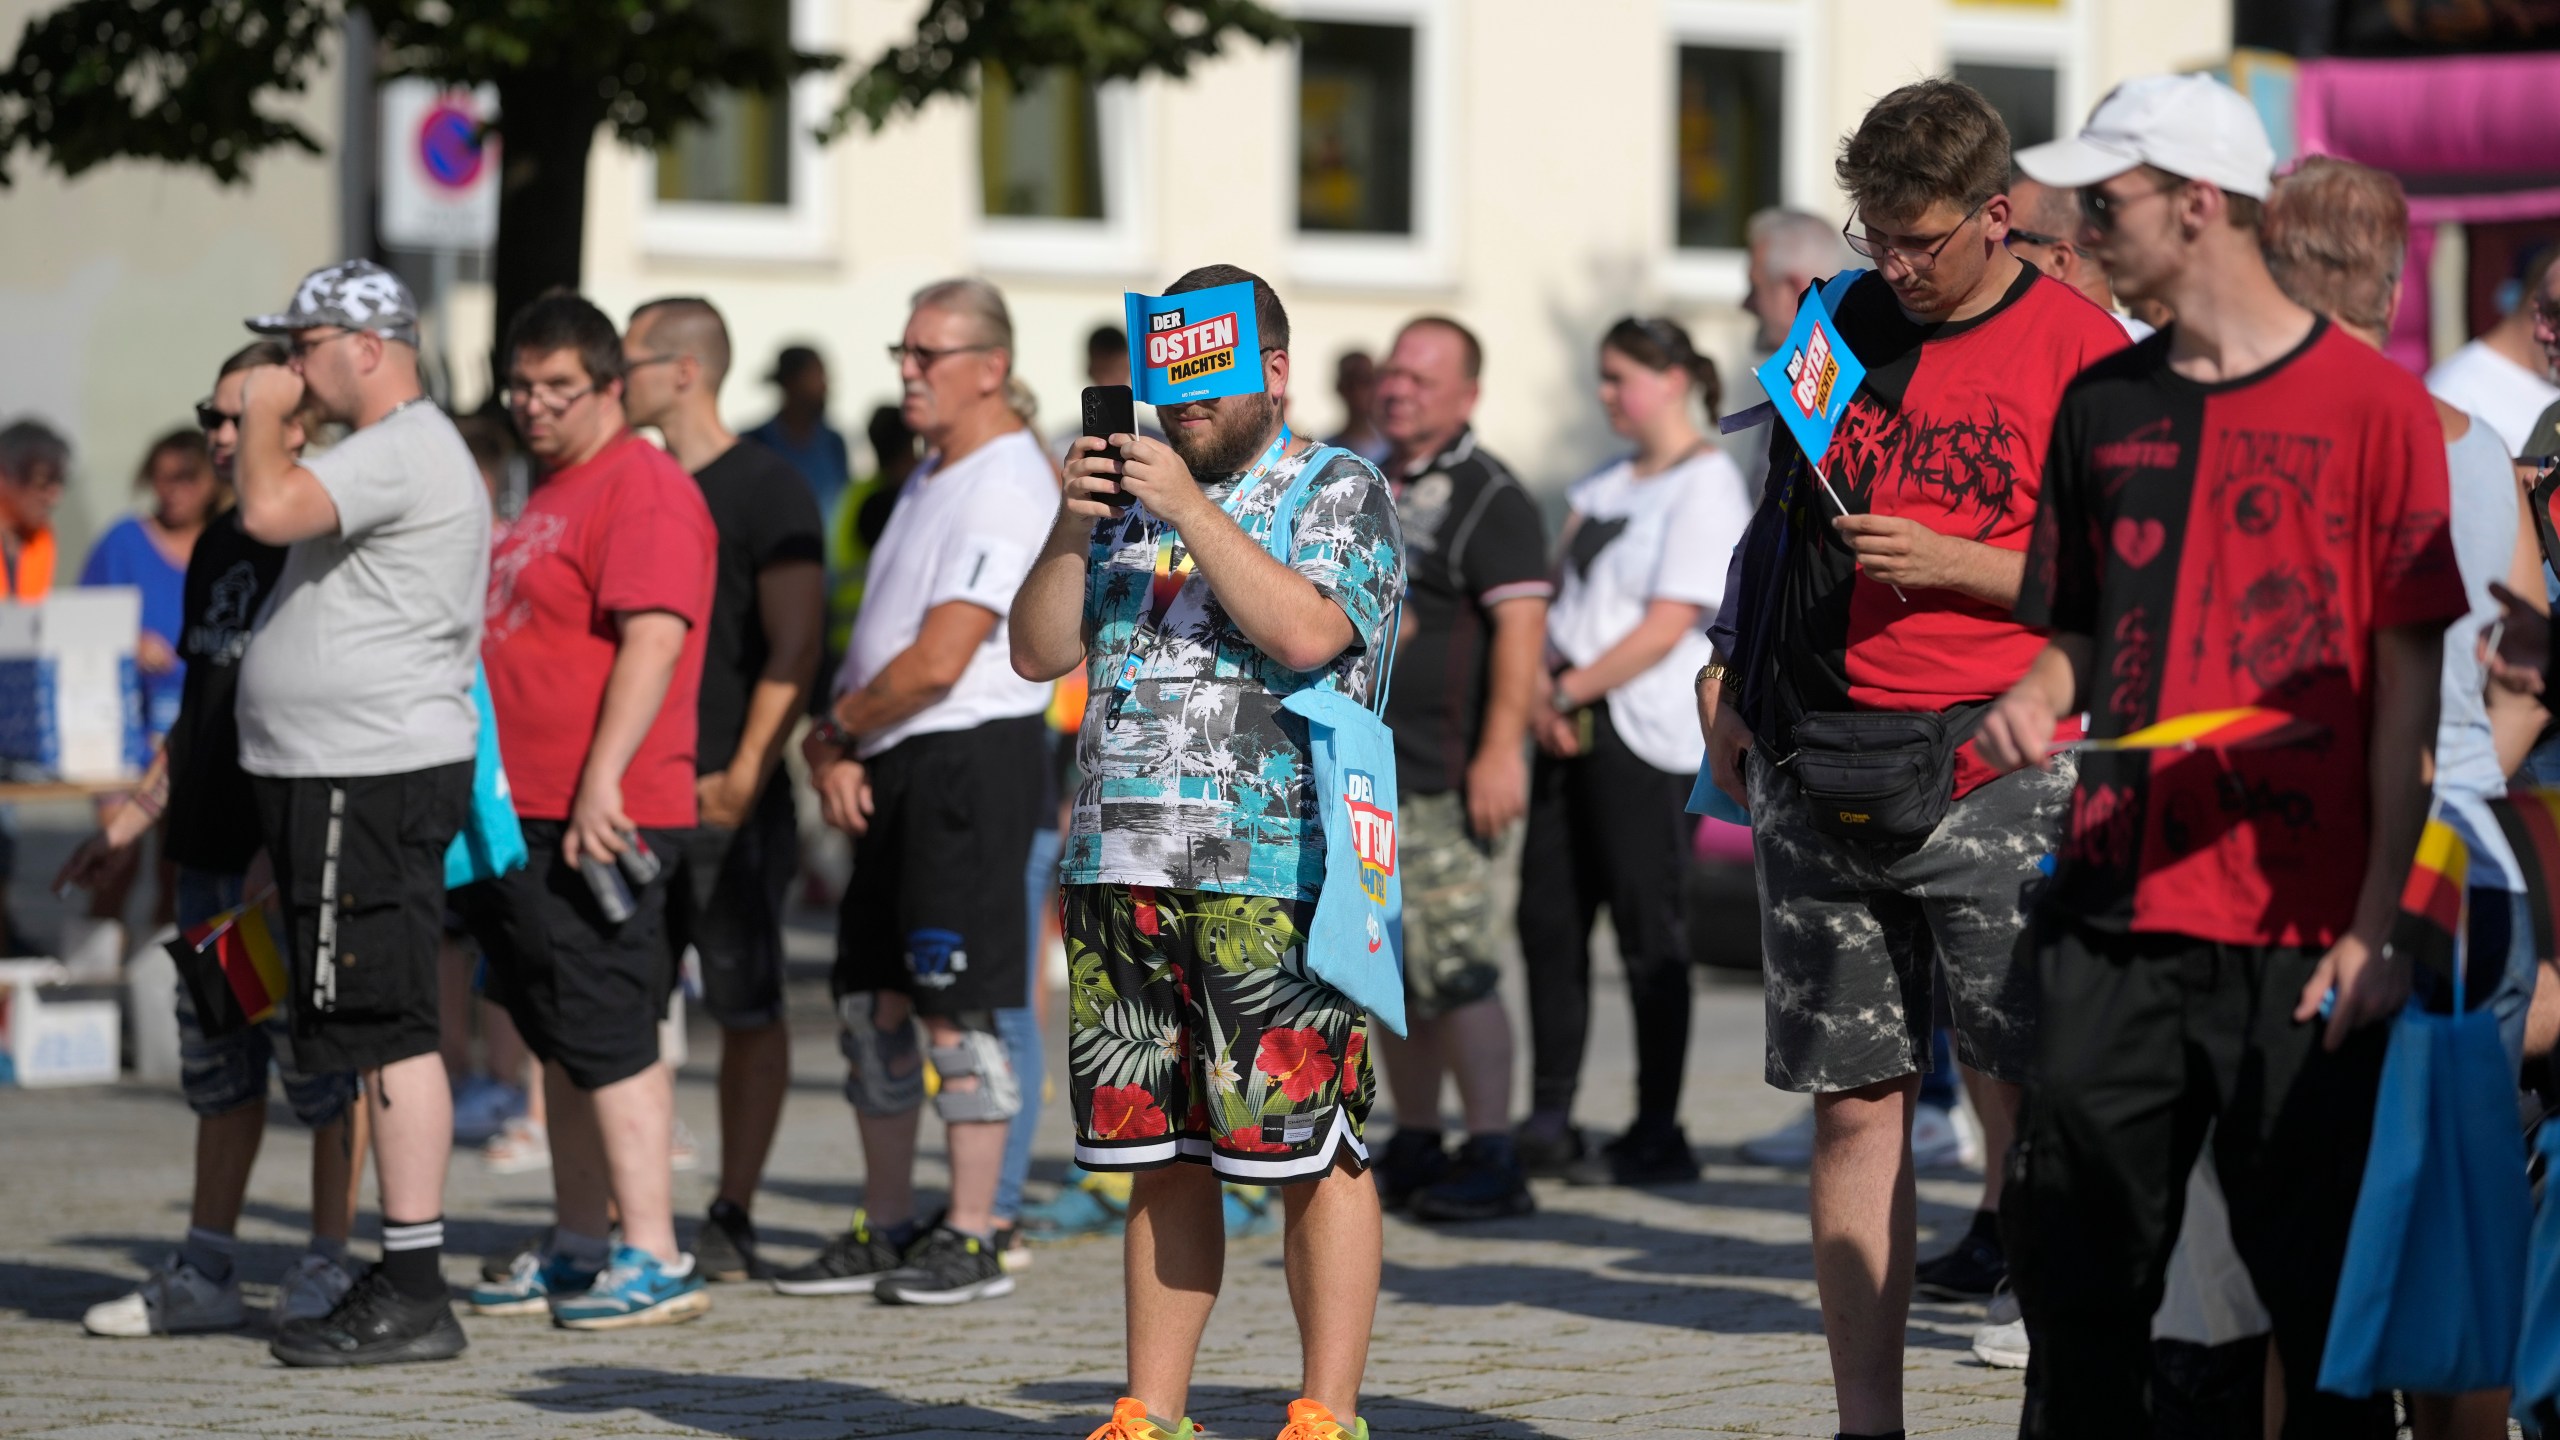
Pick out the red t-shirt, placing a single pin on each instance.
(2236, 544)
(1948, 429)
(626, 531)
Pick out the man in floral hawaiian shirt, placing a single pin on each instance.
(1194, 858)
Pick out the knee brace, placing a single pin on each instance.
(886, 1074)
(998, 1094)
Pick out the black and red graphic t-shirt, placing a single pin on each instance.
(1949, 429)
(2235, 544)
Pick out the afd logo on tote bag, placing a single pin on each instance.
(1356, 942)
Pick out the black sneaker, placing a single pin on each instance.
(1639, 1157)
(1546, 1157)
(725, 1247)
(851, 1264)
(945, 1268)
(374, 1325)
(1971, 1271)
(1484, 1184)
(1410, 1160)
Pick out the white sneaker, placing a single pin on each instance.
(312, 1287)
(2002, 1347)
(172, 1300)
(1943, 1138)
(524, 1145)
(1790, 1145)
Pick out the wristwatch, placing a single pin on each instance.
(1712, 670)
(831, 731)
(1562, 701)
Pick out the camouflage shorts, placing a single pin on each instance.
(1454, 923)
(1856, 933)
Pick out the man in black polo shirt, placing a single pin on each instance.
(1467, 673)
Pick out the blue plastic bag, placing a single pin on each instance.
(2431, 1298)
(1356, 942)
(2537, 1405)
(491, 841)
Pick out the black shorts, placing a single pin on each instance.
(582, 992)
(935, 908)
(727, 904)
(368, 996)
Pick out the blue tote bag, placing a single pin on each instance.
(2431, 1298)
(2537, 1405)
(491, 841)
(1356, 943)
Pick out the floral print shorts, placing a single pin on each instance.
(1196, 1032)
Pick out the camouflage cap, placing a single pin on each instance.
(352, 295)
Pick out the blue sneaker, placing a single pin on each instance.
(533, 1280)
(635, 1290)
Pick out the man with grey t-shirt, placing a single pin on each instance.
(358, 732)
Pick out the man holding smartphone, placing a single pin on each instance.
(598, 596)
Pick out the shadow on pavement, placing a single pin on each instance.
(61, 1292)
(1704, 1308)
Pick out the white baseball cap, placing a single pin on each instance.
(2192, 126)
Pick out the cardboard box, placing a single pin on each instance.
(51, 1037)
(70, 698)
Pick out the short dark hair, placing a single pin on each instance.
(1929, 141)
(28, 443)
(1468, 345)
(1661, 343)
(691, 325)
(254, 354)
(890, 434)
(187, 441)
(1106, 340)
(491, 441)
(793, 360)
(560, 319)
(1268, 316)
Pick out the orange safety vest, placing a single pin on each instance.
(29, 561)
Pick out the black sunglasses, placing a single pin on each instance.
(210, 419)
(2034, 237)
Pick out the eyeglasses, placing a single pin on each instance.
(927, 358)
(645, 361)
(2103, 210)
(303, 344)
(209, 419)
(2033, 237)
(1919, 260)
(554, 398)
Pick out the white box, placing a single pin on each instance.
(70, 698)
(53, 1042)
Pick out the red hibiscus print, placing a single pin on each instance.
(1126, 1112)
(1142, 900)
(1251, 1144)
(1296, 1059)
(1197, 1122)
(1352, 1050)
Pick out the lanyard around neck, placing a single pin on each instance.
(1173, 566)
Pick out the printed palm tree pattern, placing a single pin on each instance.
(1192, 1016)
(1194, 777)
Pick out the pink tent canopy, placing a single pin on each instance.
(2476, 138)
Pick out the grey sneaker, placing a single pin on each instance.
(175, 1299)
(312, 1287)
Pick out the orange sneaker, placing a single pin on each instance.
(1130, 1421)
(1311, 1421)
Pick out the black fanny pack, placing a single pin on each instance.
(1879, 774)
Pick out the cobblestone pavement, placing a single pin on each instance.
(1680, 1312)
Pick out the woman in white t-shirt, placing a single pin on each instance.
(1642, 567)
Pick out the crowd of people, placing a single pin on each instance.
(2125, 451)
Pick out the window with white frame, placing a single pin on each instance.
(749, 185)
(742, 154)
(1355, 128)
(2023, 94)
(1725, 152)
(1040, 147)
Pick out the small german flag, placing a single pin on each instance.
(2530, 819)
(2244, 727)
(231, 969)
(2429, 928)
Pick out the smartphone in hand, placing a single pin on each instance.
(1111, 410)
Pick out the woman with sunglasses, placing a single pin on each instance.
(197, 793)
(1644, 549)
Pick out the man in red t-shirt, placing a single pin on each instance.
(597, 599)
(2248, 509)
(1897, 613)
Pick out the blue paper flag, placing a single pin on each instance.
(1197, 345)
(1811, 377)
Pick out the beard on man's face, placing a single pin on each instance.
(1233, 441)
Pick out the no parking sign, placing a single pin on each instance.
(439, 167)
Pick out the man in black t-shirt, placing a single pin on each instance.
(760, 656)
(199, 794)
(1467, 672)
